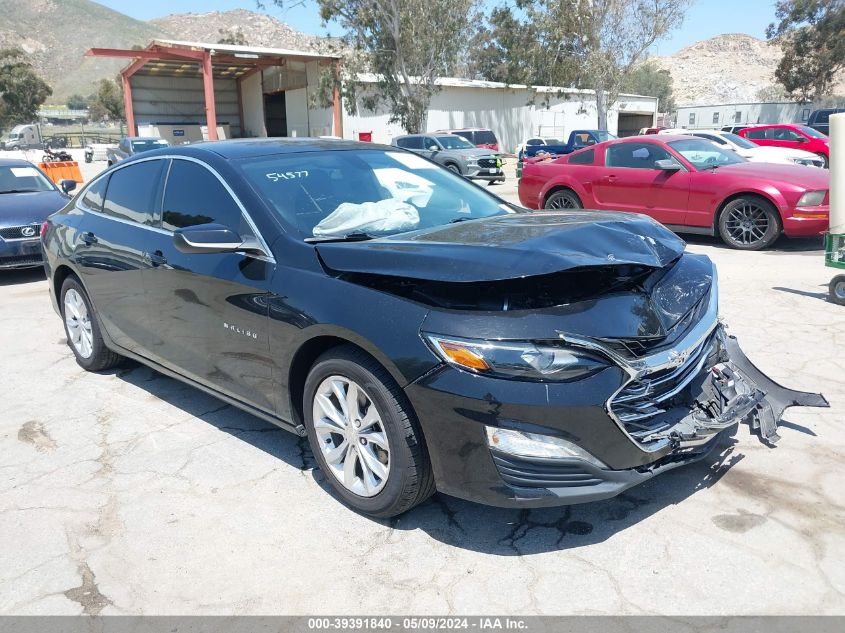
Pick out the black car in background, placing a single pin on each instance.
(27, 197)
(424, 334)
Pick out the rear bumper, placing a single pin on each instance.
(20, 254)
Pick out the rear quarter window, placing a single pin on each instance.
(583, 158)
(133, 192)
(95, 194)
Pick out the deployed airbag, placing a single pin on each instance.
(384, 216)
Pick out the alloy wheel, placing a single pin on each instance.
(78, 322)
(747, 223)
(351, 436)
(563, 201)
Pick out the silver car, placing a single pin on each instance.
(455, 153)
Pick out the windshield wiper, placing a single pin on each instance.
(21, 190)
(357, 236)
(456, 220)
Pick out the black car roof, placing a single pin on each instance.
(15, 162)
(246, 148)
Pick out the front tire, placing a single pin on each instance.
(749, 223)
(454, 168)
(825, 160)
(563, 199)
(83, 330)
(364, 434)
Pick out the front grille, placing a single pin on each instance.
(20, 260)
(639, 405)
(487, 163)
(525, 472)
(16, 232)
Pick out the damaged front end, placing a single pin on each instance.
(677, 398)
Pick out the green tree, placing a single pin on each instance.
(108, 103)
(407, 44)
(21, 90)
(648, 79)
(596, 43)
(811, 34)
(76, 102)
(500, 49)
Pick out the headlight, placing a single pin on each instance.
(812, 199)
(525, 360)
(536, 445)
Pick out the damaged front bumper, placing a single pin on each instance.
(684, 401)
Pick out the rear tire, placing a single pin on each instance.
(355, 414)
(837, 290)
(562, 200)
(749, 223)
(82, 328)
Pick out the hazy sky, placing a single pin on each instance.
(705, 19)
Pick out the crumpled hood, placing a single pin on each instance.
(17, 209)
(510, 247)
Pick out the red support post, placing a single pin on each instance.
(208, 86)
(128, 108)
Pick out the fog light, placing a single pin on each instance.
(536, 445)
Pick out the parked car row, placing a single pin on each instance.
(688, 184)
(455, 153)
(422, 333)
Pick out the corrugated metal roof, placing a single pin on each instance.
(458, 82)
(260, 51)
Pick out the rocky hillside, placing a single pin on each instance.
(255, 29)
(56, 34)
(730, 68)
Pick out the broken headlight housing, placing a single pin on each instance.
(517, 359)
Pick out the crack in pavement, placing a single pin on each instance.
(88, 594)
(564, 525)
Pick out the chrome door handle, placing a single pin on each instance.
(89, 238)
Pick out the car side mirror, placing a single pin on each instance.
(667, 164)
(432, 148)
(67, 185)
(801, 139)
(213, 238)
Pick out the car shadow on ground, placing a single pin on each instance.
(497, 531)
(21, 276)
(810, 246)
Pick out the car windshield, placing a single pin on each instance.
(704, 154)
(737, 140)
(453, 141)
(147, 145)
(371, 193)
(811, 132)
(23, 179)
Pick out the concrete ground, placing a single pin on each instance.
(130, 493)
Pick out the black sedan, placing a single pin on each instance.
(424, 334)
(27, 197)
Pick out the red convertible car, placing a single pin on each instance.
(689, 184)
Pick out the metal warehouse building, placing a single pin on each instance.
(710, 116)
(188, 91)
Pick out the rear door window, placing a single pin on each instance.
(195, 196)
(133, 192)
(753, 133)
